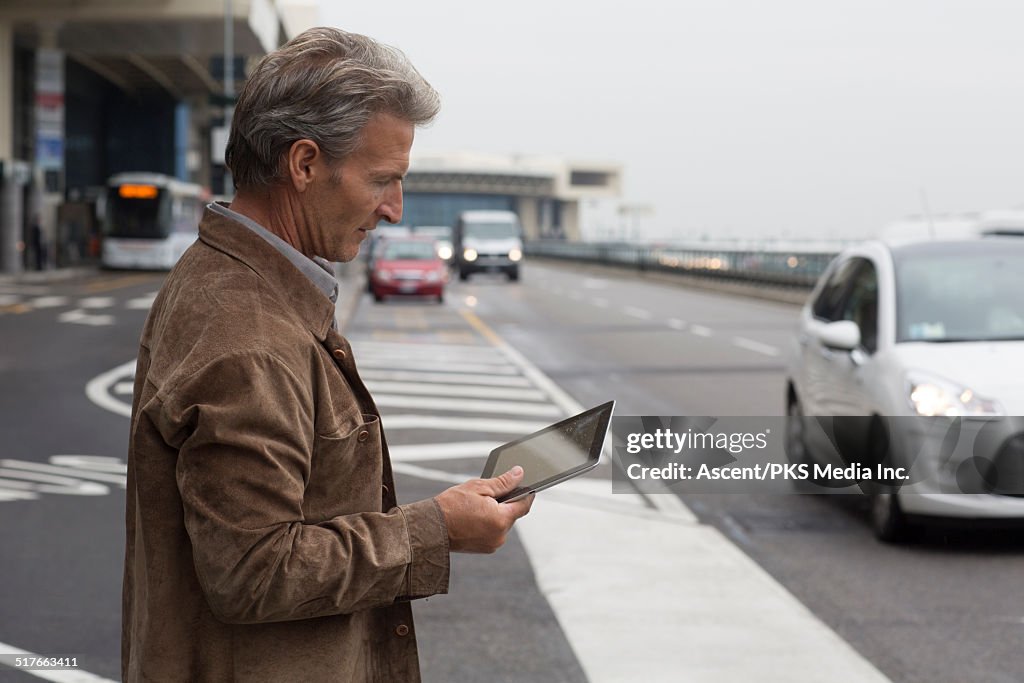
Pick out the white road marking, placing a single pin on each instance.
(676, 323)
(142, 303)
(470, 406)
(9, 299)
(599, 302)
(637, 312)
(124, 387)
(49, 301)
(50, 483)
(430, 389)
(755, 346)
(96, 302)
(413, 347)
(462, 424)
(443, 378)
(16, 490)
(80, 317)
(55, 675)
(595, 283)
(701, 331)
(74, 473)
(430, 359)
(96, 389)
(442, 451)
(413, 364)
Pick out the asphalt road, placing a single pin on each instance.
(947, 609)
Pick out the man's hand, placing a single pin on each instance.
(477, 523)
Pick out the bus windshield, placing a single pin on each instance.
(137, 217)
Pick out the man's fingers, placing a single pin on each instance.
(519, 508)
(499, 486)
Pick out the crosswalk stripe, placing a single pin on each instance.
(66, 471)
(444, 378)
(473, 406)
(49, 301)
(397, 364)
(442, 451)
(433, 389)
(462, 424)
(406, 347)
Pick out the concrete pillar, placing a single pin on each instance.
(10, 191)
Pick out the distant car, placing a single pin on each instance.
(378, 236)
(914, 330)
(408, 266)
(442, 235)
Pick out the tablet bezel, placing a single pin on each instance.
(593, 457)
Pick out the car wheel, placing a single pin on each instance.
(796, 444)
(440, 298)
(513, 275)
(887, 518)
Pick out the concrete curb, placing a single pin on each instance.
(38, 277)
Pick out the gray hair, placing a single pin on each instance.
(323, 85)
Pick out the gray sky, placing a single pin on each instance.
(821, 118)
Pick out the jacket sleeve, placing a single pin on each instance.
(243, 429)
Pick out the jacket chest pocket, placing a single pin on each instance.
(345, 474)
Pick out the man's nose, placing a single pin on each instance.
(391, 208)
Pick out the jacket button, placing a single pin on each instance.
(339, 354)
(402, 630)
(363, 435)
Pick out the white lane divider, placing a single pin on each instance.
(755, 346)
(414, 364)
(9, 655)
(676, 323)
(637, 312)
(67, 475)
(701, 331)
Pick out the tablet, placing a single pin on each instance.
(562, 451)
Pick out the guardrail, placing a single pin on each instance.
(780, 268)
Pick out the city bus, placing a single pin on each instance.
(150, 220)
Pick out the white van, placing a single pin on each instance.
(488, 241)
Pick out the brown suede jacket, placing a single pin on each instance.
(264, 542)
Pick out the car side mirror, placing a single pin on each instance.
(841, 334)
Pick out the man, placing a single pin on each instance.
(264, 542)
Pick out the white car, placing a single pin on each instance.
(924, 343)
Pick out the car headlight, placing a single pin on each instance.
(432, 276)
(469, 254)
(933, 396)
(515, 255)
(444, 253)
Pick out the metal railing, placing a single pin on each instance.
(780, 268)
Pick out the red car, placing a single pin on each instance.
(408, 266)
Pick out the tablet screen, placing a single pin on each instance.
(555, 452)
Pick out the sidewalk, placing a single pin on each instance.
(41, 277)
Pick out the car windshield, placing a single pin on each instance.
(492, 231)
(972, 295)
(409, 251)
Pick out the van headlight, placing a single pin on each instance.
(469, 254)
(935, 397)
(444, 253)
(515, 255)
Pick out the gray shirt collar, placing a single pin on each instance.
(316, 269)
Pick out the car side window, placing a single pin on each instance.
(828, 307)
(861, 304)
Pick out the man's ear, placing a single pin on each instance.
(303, 158)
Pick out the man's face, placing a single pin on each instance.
(362, 190)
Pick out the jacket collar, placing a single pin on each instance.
(282, 277)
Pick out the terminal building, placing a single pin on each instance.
(93, 88)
